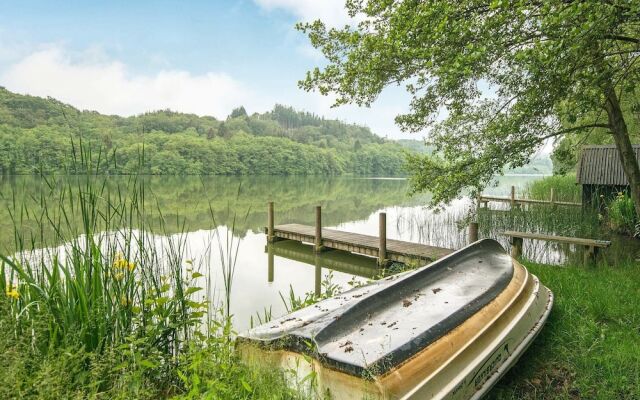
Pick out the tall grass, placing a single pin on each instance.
(544, 219)
(622, 215)
(228, 249)
(565, 186)
(101, 281)
(99, 290)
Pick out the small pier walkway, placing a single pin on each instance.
(380, 247)
(396, 250)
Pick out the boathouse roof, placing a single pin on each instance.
(600, 165)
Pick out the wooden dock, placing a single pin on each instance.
(396, 250)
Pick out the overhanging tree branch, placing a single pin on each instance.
(575, 128)
(623, 38)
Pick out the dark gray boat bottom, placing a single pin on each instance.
(378, 326)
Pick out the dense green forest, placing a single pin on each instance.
(39, 136)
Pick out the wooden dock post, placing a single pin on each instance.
(473, 232)
(318, 241)
(513, 197)
(270, 235)
(382, 248)
(590, 255)
(270, 271)
(473, 226)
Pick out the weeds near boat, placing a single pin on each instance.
(328, 289)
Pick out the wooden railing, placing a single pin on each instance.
(591, 246)
(483, 200)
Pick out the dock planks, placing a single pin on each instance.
(397, 250)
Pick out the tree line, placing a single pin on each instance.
(44, 135)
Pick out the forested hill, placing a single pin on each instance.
(36, 136)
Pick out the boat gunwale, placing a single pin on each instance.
(520, 349)
(450, 324)
(521, 278)
(487, 326)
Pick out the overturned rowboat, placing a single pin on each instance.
(448, 330)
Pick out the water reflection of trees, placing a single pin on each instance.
(175, 204)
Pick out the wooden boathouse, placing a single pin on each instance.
(600, 173)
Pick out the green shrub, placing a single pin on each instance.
(622, 214)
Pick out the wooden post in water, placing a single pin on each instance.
(473, 226)
(270, 235)
(318, 243)
(382, 248)
(270, 263)
(516, 247)
(473, 232)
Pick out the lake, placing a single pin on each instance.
(221, 221)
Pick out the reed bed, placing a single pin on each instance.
(447, 227)
(101, 301)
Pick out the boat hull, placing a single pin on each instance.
(463, 364)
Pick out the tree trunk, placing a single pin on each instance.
(623, 144)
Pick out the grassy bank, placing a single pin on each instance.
(204, 368)
(590, 347)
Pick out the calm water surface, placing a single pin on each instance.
(238, 206)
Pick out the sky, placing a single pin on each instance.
(203, 57)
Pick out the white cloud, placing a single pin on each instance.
(331, 12)
(93, 82)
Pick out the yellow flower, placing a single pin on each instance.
(121, 263)
(124, 301)
(119, 276)
(13, 293)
